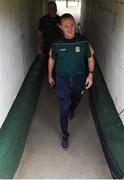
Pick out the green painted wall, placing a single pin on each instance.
(108, 124)
(15, 129)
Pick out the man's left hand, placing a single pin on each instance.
(89, 81)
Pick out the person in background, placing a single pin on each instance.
(68, 54)
(48, 30)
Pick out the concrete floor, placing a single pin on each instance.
(43, 157)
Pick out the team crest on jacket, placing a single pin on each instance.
(77, 49)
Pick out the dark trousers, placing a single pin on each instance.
(68, 90)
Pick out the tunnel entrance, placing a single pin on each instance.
(69, 6)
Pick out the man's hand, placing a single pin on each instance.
(40, 51)
(89, 81)
(51, 81)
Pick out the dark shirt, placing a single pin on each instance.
(49, 28)
(70, 55)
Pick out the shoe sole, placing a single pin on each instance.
(64, 149)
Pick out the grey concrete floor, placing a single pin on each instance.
(43, 157)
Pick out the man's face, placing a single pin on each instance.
(52, 9)
(68, 27)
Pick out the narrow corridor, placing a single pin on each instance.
(103, 24)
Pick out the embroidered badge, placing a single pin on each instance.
(77, 49)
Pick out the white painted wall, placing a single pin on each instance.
(83, 16)
(18, 25)
(104, 26)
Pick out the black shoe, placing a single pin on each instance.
(65, 143)
(71, 114)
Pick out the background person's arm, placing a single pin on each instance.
(39, 43)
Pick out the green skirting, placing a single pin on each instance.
(15, 129)
(108, 124)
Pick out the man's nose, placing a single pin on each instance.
(70, 28)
